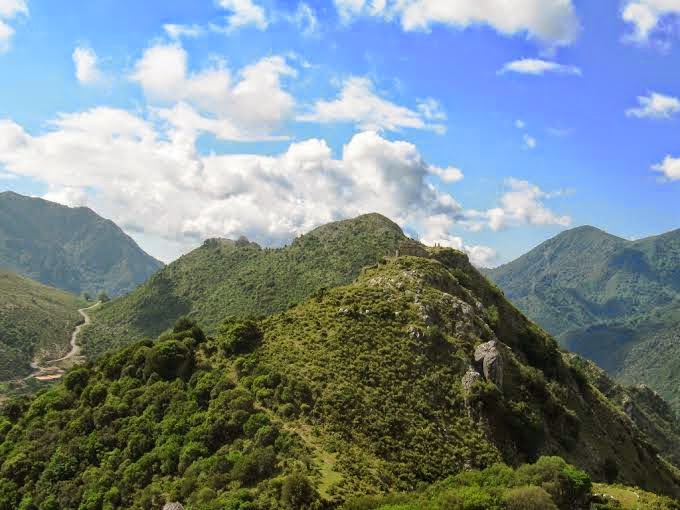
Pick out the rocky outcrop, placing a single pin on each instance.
(173, 506)
(489, 356)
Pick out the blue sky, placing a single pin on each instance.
(483, 130)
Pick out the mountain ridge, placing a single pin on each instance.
(69, 248)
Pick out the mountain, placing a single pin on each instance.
(416, 372)
(615, 301)
(225, 277)
(69, 248)
(36, 322)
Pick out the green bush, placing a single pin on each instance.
(169, 359)
(528, 498)
(297, 493)
(238, 336)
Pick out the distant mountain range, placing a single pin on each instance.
(612, 300)
(69, 248)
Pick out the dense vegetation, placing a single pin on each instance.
(36, 322)
(614, 301)
(69, 248)
(240, 278)
(364, 389)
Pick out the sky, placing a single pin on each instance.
(485, 126)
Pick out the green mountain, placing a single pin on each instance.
(69, 248)
(36, 322)
(614, 301)
(225, 277)
(419, 371)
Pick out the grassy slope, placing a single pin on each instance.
(240, 278)
(614, 301)
(69, 248)
(35, 320)
(363, 382)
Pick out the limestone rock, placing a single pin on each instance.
(173, 506)
(491, 358)
(469, 379)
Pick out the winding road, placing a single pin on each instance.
(49, 371)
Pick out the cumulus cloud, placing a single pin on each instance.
(87, 66)
(244, 13)
(655, 106)
(9, 10)
(538, 67)
(552, 22)
(151, 182)
(359, 104)
(249, 106)
(669, 167)
(521, 203)
(437, 232)
(646, 15)
(305, 19)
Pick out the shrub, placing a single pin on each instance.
(528, 498)
(254, 466)
(239, 336)
(297, 492)
(169, 359)
(76, 380)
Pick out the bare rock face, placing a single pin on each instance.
(491, 359)
(469, 379)
(173, 506)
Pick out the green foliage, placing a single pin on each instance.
(103, 297)
(239, 336)
(238, 278)
(297, 492)
(35, 321)
(69, 248)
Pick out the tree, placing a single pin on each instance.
(297, 492)
(87, 296)
(103, 297)
(239, 336)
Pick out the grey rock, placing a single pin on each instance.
(173, 506)
(491, 358)
(469, 379)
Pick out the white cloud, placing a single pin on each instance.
(646, 15)
(669, 167)
(155, 183)
(437, 231)
(305, 19)
(359, 104)
(553, 22)
(449, 175)
(249, 107)
(530, 142)
(244, 13)
(522, 203)
(520, 124)
(87, 68)
(178, 31)
(655, 106)
(538, 67)
(9, 9)
(68, 195)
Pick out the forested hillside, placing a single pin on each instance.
(226, 277)
(36, 322)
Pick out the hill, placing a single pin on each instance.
(614, 301)
(36, 322)
(225, 277)
(418, 371)
(69, 248)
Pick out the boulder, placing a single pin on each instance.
(491, 360)
(173, 506)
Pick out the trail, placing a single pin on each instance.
(49, 370)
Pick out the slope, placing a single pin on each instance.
(226, 277)
(36, 322)
(69, 248)
(417, 371)
(614, 301)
